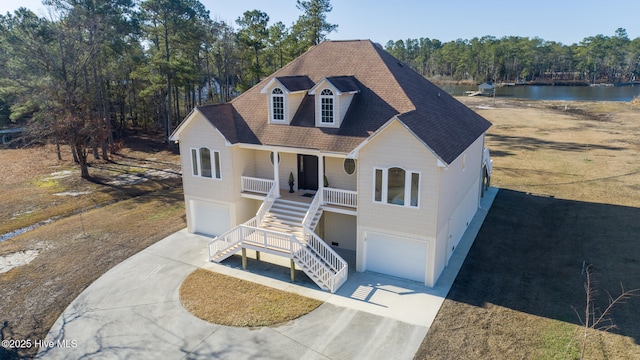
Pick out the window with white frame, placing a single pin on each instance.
(277, 105)
(396, 186)
(349, 166)
(204, 165)
(326, 106)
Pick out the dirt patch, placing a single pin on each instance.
(569, 195)
(13, 260)
(229, 301)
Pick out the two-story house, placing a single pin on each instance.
(384, 164)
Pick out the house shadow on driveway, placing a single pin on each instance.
(530, 251)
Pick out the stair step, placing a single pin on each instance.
(291, 223)
(282, 225)
(291, 207)
(297, 218)
(285, 211)
(287, 228)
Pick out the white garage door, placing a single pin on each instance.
(209, 218)
(396, 256)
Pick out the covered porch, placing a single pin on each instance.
(332, 177)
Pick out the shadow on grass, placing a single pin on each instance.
(530, 251)
(518, 143)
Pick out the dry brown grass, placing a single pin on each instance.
(570, 179)
(77, 249)
(229, 301)
(587, 151)
(32, 194)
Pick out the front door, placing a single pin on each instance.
(307, 172)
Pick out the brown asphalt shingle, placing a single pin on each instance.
(296, 83)
(387, 88)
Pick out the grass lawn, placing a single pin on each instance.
(229, 301)
(69, 254)
(37, 186)
(569, 175)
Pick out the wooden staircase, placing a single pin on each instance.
(286, 229)
(286, 216)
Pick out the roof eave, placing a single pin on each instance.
(175, 135)
(353, 154)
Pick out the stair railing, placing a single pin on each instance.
(266, 204)
(313, 209)
(337, 265)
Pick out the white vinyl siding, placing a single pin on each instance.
(337, 176)
(459, 201)
(199, 133)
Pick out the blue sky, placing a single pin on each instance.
(565, 21)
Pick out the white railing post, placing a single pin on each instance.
(276, 173)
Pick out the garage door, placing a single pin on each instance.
(209, 218)
(396, 256)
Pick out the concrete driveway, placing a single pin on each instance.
(133, 311)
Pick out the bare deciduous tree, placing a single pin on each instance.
(592, 317)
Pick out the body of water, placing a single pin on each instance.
(541, 92)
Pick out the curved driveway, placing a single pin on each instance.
(133, 312)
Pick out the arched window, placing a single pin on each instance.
(277, 104)
(203, 165)
(326, 106)
(395, 185)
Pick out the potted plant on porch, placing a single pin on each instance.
(291, 182)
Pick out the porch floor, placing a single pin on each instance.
(297, 196)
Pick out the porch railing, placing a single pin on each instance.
(340, 197)
(257, 185)
(253, 236)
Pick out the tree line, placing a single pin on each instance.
(596, 59)
(92, 68)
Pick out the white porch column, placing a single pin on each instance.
(276, 173)
(321, 176)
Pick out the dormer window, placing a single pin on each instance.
(284, 94)
(277, 104)
(333, 97)
(326, 101)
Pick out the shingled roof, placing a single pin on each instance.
(387, 89)
(296, 83)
